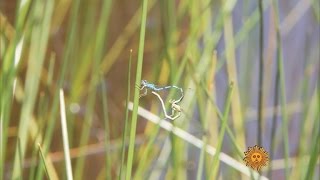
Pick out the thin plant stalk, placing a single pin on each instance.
(39, 40)
(261, 73)
(65, 60)
(107, 129)
(205, 107)
(314, 154)
(274, 118)
(20, 158)
(282, 89)
(220, 116)
(215, 162)
(308, 136)
(1, 139)
(120, 43)
(202, 65)
(204, 138)
(65, 136)
(146, 152)
(124, 135)
(36, 128)
(209, 126)
(236, 108)
(305, 124)
(244, 32)
(315, 149)
(44, 162)
(137, 91)
(206, 115)
(98, 44)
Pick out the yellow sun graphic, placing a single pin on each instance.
(256, 157)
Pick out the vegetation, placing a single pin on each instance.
(70, 72)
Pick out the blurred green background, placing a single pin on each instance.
(249, 70)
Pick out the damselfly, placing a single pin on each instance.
(146, 85)
(174, 108)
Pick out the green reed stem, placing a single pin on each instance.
(137, 91)
(126, 123)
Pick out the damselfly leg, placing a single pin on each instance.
(141, 87)
(144, 93)
(175, 108)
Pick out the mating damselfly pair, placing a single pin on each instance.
(175, 108)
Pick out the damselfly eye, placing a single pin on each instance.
(143, 82)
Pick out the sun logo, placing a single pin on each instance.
(256, 157)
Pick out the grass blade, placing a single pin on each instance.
(39, 40)
(1, 143)
(137, 92)
(236, 108)
(209, 117)
(261, 74)
(99, 44)
(124, 135)
(107, 129)
(314, 152)
(20, 158)
(215, 163)
(44, 162)
(282, 89)
(65, 136)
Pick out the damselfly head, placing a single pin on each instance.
(144, 82)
